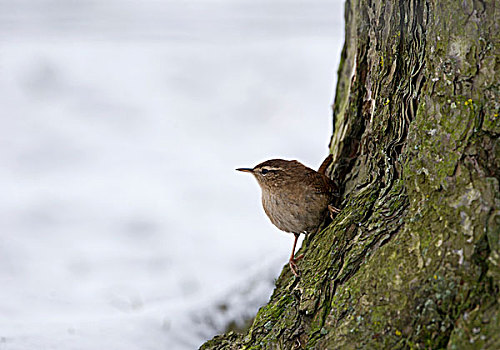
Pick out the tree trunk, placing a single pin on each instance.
(413, 259)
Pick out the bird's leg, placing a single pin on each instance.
(292, 261)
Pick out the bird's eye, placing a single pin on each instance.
(264, 171)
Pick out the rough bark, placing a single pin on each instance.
(413, 259)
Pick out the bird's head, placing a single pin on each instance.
(273, 173)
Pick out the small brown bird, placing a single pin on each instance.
(295, 198)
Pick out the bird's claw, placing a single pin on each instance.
(333, 210)
(293, 265)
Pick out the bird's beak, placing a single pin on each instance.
(246, 170)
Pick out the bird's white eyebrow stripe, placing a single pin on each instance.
(268, 168)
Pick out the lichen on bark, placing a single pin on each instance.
(413, 259)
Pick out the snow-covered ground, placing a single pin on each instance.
(123, 224)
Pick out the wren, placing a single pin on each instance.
(295, 198)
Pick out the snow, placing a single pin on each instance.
(123, 224)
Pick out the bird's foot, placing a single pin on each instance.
(299, 257)
(293, 265)
(333, 210)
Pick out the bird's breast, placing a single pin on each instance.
(296, 213)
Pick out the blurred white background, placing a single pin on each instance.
(123, 224)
